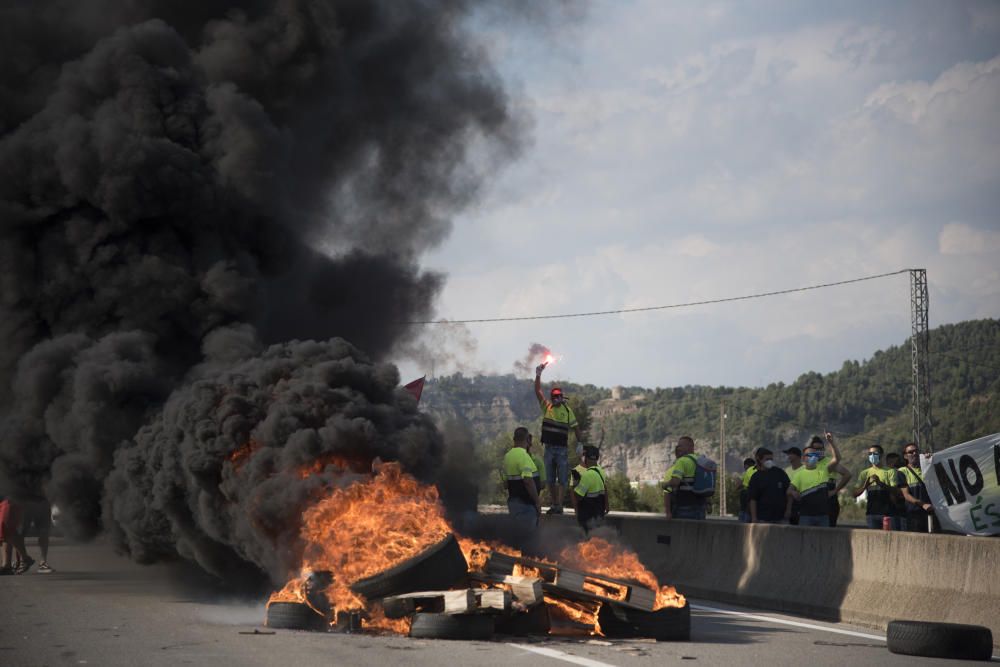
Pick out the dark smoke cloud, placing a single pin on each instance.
(183, 187)
(217, 477)
(536, 354)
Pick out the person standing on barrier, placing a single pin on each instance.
(557, 421)
(794, 456)
(519, 470)
(769, 499)
(590, 495)
(878, 481)
(809, 486)
(919, 510)
(679, 498)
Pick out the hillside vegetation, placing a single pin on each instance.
(864, 403)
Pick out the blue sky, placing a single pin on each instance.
(698, 150)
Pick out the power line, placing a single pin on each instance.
(667, 307)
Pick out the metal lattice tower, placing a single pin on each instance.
(920, 360)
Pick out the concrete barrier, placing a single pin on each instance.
(866, 577)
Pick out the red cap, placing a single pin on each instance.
(556, 391)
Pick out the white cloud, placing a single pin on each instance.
(695, 152)
(960, 239)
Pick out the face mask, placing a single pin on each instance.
(812, 458)
(768, 464)
(874, 458)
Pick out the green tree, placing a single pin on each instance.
(621, 495)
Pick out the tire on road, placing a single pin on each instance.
(439, 567)
(667, 624)
(940, 640)
(295, 616)
(452, 626)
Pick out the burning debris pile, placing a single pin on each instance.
(380, 555)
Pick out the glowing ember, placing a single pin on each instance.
(583, 613)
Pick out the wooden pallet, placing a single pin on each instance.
(526, 590)
(467, 601)
(564, 582)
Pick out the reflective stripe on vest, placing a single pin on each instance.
(555, 433)
(818, 487)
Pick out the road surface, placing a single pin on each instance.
(100, 609)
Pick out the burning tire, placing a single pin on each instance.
(295, 616)
(940, 640)
(535, 621)
(667, 624)
(439, 567)
(457, 626)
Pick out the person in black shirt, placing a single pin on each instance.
(768, 491)
(919, 509)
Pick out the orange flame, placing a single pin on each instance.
(583, 613)
(378, 522)
(599, 556)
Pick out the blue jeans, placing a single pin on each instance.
(822, 521)
(523, 512)
(689, 512)
(557, 464)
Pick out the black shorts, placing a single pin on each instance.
(37, 518)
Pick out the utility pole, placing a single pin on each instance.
(920, 360)
(722, 457)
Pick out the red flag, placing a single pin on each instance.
(416, 387)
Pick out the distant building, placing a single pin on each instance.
(617, 392)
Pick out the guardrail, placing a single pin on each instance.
(861, 576)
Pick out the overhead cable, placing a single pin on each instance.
(689, 304)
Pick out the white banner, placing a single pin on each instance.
(962, 483)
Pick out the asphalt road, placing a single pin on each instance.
(99, 609)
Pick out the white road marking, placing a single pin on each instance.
(566, 657)
(798, 624)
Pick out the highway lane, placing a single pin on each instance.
(100, 609)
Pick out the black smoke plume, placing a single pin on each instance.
(183, 188)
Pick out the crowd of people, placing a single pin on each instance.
(18, 518)
(806, 492)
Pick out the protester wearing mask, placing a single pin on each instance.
(809, 487)
(918, 502)
(878, 481)
(557, 421)
(769, 499)
(831, 463)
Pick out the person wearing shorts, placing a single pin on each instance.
(11, 538)
(38, 521)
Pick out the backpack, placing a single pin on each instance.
(704, 477)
